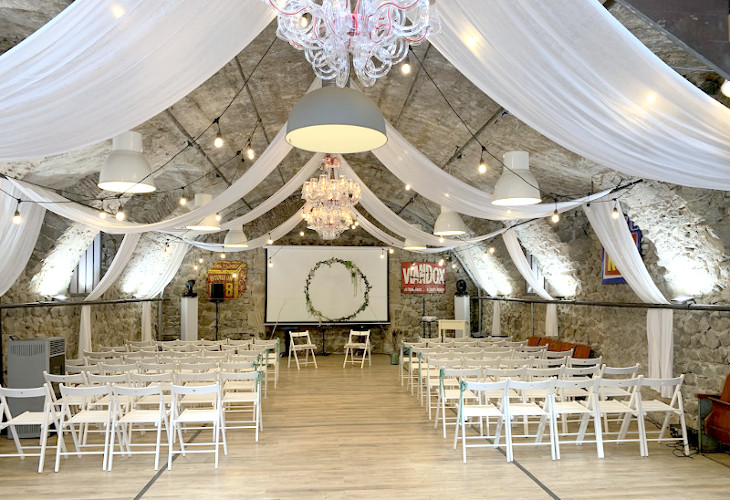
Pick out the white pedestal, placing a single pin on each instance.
(189, 318)
(461, 311)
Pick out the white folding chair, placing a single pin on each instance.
(565, 404)
(44, 419)
(674, 407)
(134, 411)
(181, 417)
(360, 341)
(491, 402)
(164, 380)
(305, 344)
(559, 354)
(573, 362)
(241, 394)
(446, 394)
(625, 409)
(88, 414)
(529, 409)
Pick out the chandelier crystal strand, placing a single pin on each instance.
(330, 199)
(376, 34)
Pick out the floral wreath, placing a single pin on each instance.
(355, 275)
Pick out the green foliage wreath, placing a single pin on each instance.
(355, 275)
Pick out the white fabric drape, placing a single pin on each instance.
(602, 93)
(427, 179)
(496, 316)
(265, 164)
(520, 261)
(146, 321)
(615, 236)
(17, 241)
(102, 67)
(126, 249)
(480, 275)
(173, 264)
(279, 231)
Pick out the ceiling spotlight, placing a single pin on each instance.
(301, 233)
(516, 186)
(223, 256)
(120, 215)
(102, 214)
(17, 218)
(408, 187)
(556, 217)
(126, 170)
(336, 120)
(405, 68)
(218, 141)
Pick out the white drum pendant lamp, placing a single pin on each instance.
(412, 244)
(516, 186)
(235, 238)
(208, 224)
(449, 223)
(126, 170)
(336, 120)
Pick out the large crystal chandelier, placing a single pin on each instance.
(376, 33)
(330, 200)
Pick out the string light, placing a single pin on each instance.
(218, 141)
(271, 264)
(120, 215)
(556, 217)
(102, 214)
(250, 152)
(482, 163)
(200, 260)
(167, 247)
(408, 187)
(269, 241)
(195, 267)
(223, 256)
(615, 213)
(441, 239)
(382, 254)
(453, 266)
(391, 251)
(17, 218)
(218, 217)
(301, 233)
(183, 201)
(491, 250)
(441, 262)
(405, 68)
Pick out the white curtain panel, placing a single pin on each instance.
(16, 241)
(126, 249)
(615, 236)
(179, 249)
(427, 179)
(282, 194)
(572, 72)
(467, 258)
(520, 261)
(85, 331)
(146, 320)
(102, 67)
(496, 317)
(279, 231)
(266, 163)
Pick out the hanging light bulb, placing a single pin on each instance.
(17, 218)
(453, 266)
(183, 201)
(382, 254)
(408, 187)
(167, 247)
(200, 260)
(102, 214)
(556, 217)
(491, 250)
(250, 152)
(615, 214)
(441, 262)
(195, 267)
(405, 68)
(223, 256)
(120, 215)
(357, 222)
(353, 227)
(301, 233)
(441, 239)
(391, 251)
(482, 163)
(218, 217)
(271, 264)
(269, 241)
(218, 141)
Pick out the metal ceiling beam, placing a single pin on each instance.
(698, 26)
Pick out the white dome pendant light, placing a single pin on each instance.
(412, 244)
(126, 170)
(449, 223)
(336, 120)
(209, 224)
(516, 186)
(235, 238)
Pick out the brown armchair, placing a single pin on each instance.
(716, 423)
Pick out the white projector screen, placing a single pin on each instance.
(333, 292)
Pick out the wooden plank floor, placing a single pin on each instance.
(352, 433)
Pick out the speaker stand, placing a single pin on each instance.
(324, 352)
(216, 320)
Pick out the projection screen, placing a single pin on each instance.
(346, 284)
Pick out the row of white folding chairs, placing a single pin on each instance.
(483, 400)
(167, 355)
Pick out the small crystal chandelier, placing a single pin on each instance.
(330, 200)
(376, 33)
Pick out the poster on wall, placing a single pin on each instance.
(232, 274)
(423, 277)
(610, 275)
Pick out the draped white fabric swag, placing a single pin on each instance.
(602, 93)
(126, 249)
(17, 241)
(520, 261)
(496, 317)
(615, 236)
(146, 321)
(102, 67)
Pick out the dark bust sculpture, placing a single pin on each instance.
(189, 285)
(461, 288)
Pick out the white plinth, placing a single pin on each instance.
(189, 318)
(461, 311)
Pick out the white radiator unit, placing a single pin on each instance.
(26, 361)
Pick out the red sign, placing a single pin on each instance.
(423, 277)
